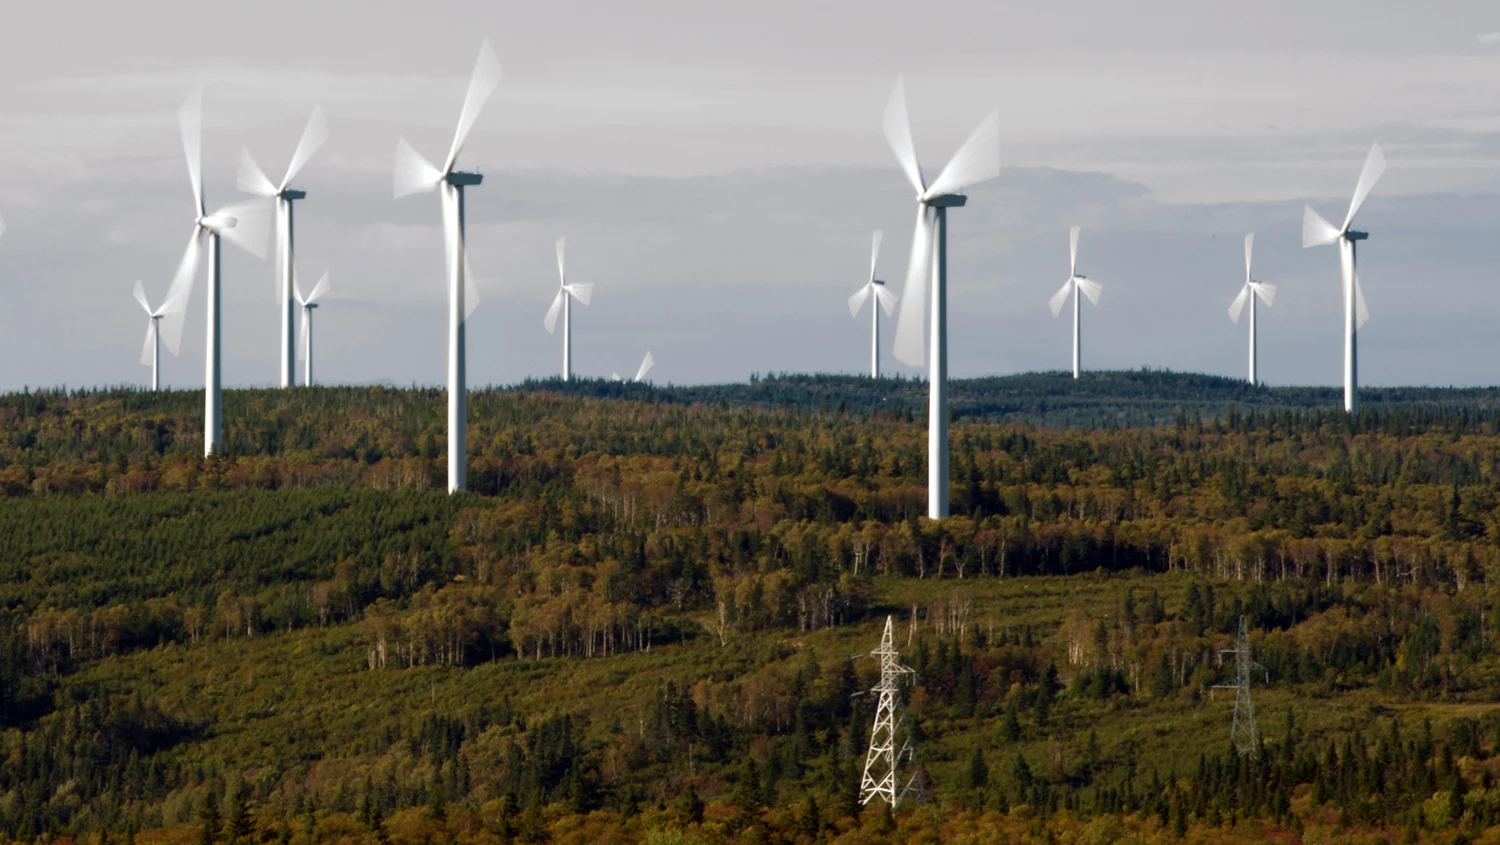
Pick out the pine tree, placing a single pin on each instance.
(208, 816)
(240, 826)
(689, 806)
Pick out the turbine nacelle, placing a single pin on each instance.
(460, 179)
(1357, 236)
(289, 194)
(217, 222)
(944, 201)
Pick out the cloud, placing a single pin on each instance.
(1488, 38)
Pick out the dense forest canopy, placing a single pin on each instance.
(638, 624)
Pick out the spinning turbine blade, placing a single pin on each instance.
(2, 226)
(186, 275)
(1374, 167)
(190, 121)
(1249, 244)
(486, 76)
(978, 160)
(1316, 231)
(313, 136)
(170, 325)
(1361, 310)
(875, 251)
(910, 347)
(1060, 298)
(857, 301)
(646, 364)
(253, 180)
(898, 135)
(297, 288)
(148, 348)
(413, 173)
(320, 288)
(1073, 252)
(1090, 288)
(302, 339)
(140, 296)
(1238, 305)
(252, 225)
(562, 272)
(886, 299)
(582, 291)
(1267, 293)
(550, 321)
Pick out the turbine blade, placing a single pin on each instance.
(857, 301)
(582, 291)
(911, 328)
(190, 121)
(550, 321)
(483, 81)
(146, 348)
(413, 173)
(615, 376)
(253, 180)
(252, 226)
(1315, 230)
(297, 288)
(302, 333)
(898, 135)
(186, 276)
(1073, 252)
(1238, 305)
(646, 364)
(280, 238)
(313, 137)
(1060, 298)
(875, 251)
(170, 326)
(1091, 289)
(320, 288)
(140, 296)
(886, 299)
(1361, 310)
(471, 288)
(1267, 293)
(1249, 244)
(562, 271)
(1374, 167)
(978, 160)
(2, 226)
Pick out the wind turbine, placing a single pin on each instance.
(1080, 286)
(640, 375)
(167, 319)
(978, 160)
(253, 180)
(242, 224)
(883, 298)
(415, 174)
(308, 303)
(1260, 290)
(566, 293)
(1319, 232)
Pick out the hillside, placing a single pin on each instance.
(641, 624)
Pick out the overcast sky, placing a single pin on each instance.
(718, 169)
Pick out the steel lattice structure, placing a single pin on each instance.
(1242, 731)
(883, 759)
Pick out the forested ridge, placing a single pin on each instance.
(638, 624)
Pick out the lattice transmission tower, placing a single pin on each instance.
(1242, 731)
(884, 758)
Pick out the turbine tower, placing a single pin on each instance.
(1319, 232)
(1242, 730)
(1079, 286)
(415, 174)
(883, 758)
(978, 160)
(253, 180)
(1251, 291)
(309, 303)
(563, 302)
(166, 320)
(244, 225)
(884, 299)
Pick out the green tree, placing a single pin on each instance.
(208, 816)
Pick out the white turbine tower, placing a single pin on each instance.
(1080, 286)
(309, 303)
(978, 160)
(884, 299)
(1251, 291)
(563, 302)
(253, 180)
(415, 174)
(243, 224)
(1319, 232)
(164, 321)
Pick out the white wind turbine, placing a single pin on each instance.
(243, 224)
(563, 302)
(309, 303)
(415, 174)
(640, 374)
(884, 299)
(165, 321)
(1080, 286)
(1251, 291)
(978, 160)
(253, 180)
(1319, 232)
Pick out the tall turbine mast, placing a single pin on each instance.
(165, 321)
(563, 302)
(1251, 291)
(884, 300)
(1242, 730)
(415, 174)
(883, 759)
(1079, 286)
(309, 303)
(978, 160)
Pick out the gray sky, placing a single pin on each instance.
(718, 168)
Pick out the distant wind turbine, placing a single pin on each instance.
(1079, 285)
(978, 160)
(640, 375)
(1319, 232)
(309, 303)
(1251, 291)
(164, 321)
(883, 298)
(415, 174)
(253, 180)
(242, 224)
(563, 302)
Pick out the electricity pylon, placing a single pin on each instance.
(1242, 731)
(883, 758)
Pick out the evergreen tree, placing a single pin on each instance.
(240, 826)
(689, 807)
(208, 816)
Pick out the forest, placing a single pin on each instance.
(645, 620)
